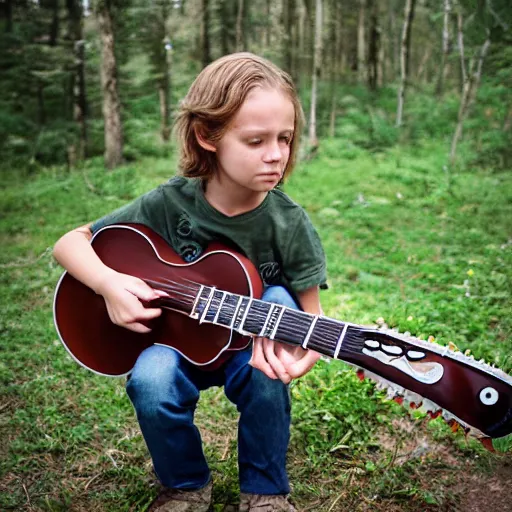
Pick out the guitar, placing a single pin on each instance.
(214, 307)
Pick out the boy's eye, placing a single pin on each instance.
(255, 142)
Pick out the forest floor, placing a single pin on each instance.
(402, 244)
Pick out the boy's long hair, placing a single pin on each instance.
(215, 97)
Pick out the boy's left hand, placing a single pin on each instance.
(281, 361)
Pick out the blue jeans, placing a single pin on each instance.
(164, 389)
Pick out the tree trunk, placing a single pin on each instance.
(404, 57)
(111, 103)
(373, 46)
(54, 27)
(317, 57)
(335, 38)
(240, 27)
(361, 50)
(8, 15)
(206, 55)
(288, 8)
(394, 42)
(309, 36)
(446, 48)
(301, 38)
(224, 34)
(460, 37)
(80, 98)
(164, 89)
(75, 35)
(268, 25)
(468, 97)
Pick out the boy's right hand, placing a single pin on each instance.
(123, 295)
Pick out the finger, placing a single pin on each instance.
(137, 327)
(258, 360)
(303, 365)
(149, 313)
(142, 291)
(274, 362)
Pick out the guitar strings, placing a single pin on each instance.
(325, 340)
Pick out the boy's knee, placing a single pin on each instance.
(270, 395)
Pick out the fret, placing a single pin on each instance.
(257, 314)
(237, 307)
(271, 321)
(308, 335)
(203, 302)
(213, 306)
(196, 303)
(228, 309)
(220, 307)
(273, 333)
(340, 341)
(241, 314)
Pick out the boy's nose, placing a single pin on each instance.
(273, 153)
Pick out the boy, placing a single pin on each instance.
(238, 129)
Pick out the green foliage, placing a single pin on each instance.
(399, 246)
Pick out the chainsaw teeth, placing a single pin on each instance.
(416, 401)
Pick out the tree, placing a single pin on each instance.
(471, 82)
(335, 40)
(361, 43)
(404, 57)
(317, 57)
(288, 18)
(240, 26)
(111, 102)
(446, 47)
(373, 46)
(205, 33)
(75, 36)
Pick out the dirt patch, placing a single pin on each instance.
(488, 492)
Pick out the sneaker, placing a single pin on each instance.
(265, 503)
(179, 500)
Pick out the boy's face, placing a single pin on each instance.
(254, 151)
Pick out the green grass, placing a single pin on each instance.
(401, 244)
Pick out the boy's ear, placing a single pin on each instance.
(201, 140)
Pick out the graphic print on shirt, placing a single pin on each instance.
(270, 273)
(188, 248)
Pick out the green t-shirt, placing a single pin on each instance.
(277, 236)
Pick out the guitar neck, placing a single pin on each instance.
(254, 317)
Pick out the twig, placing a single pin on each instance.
(28, 497)
(91, 480)
(334, 502)
(4, 406)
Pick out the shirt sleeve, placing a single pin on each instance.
(148, 209)
(304, 264)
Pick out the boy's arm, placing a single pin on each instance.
(75, 253)
(120, 291)
(282, 361)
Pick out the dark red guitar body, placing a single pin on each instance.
(95, 342)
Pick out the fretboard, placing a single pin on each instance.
(255, 317)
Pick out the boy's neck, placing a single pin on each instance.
(231, 199)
